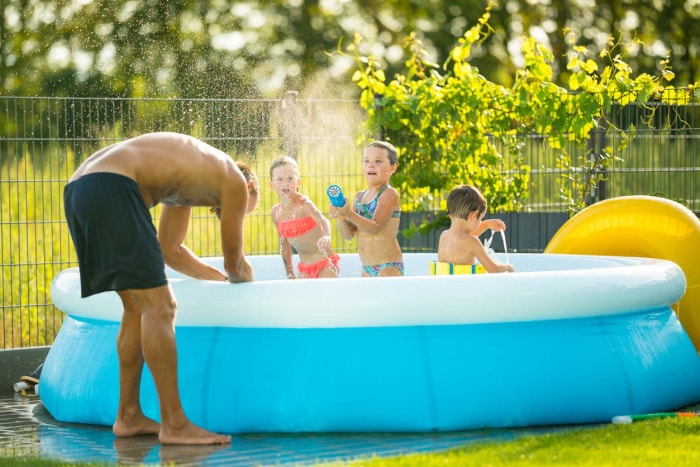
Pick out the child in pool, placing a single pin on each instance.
(374, 214)
(459, 244)
(300, 225)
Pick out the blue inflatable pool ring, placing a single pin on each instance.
(335, 194)
(583, 336)
(581, 339)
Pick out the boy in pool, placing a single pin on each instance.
(459, 244)
(300, 225)
(107, 202)
(374, 214)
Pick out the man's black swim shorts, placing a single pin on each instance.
(113, 234)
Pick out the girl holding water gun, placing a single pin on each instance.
(374, 214)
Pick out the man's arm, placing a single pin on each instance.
(234, 202)
(174, 222)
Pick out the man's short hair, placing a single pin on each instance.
(249, 175)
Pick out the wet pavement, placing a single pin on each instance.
(28, 430)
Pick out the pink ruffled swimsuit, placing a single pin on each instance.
(295, 227)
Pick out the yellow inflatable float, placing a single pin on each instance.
(440, 268)
(643, 226)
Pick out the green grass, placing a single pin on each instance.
(672, 441)
(654, 442)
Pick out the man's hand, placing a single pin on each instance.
(242, 273)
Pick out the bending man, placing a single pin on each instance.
(107, 204)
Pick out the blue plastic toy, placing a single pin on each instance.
(335, 194)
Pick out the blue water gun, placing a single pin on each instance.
(335, 194)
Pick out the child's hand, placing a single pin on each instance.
(494, 224)
(302, 199)
(339, 212)
(324, 243)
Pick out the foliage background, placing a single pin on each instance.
(256, 48)
(454, 126)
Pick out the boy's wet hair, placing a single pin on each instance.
(463, 200)
(389, 148)
(249, 175)
(282, 161)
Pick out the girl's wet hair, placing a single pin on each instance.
(390, 149)
(463, 200)
(282, 161)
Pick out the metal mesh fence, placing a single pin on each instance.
(43, 140)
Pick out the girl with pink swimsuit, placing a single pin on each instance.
(301, 225)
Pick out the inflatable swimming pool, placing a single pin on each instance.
(569, 339)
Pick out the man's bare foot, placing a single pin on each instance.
(190, 433)
(139, 426)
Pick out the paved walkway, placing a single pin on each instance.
(27, 429)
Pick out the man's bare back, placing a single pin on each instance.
(180, 172)
(169, 168)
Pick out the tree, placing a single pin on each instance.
(452, 125)
(218, 48)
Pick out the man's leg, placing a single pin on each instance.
(130, 419)
(158, 307)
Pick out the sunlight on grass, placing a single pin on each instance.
(655, 442)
